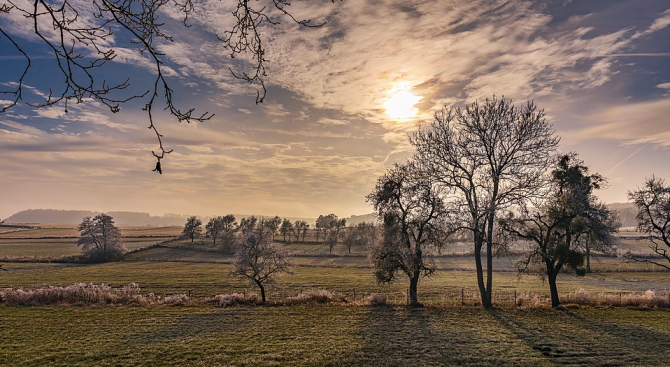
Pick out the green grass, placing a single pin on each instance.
(444, 333)
(330, 335)
(55, 247)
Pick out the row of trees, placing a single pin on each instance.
(329, 229)
(491, 173)
(490, 170)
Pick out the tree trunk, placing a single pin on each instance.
(214, 241)
(260, 286)
(588, 257)
(489, 276)
(486, 302)
(555, 302)
(413, 293)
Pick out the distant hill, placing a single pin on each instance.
(123, 218)
(54, 216)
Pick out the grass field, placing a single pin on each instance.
(446, 332)
(331, 335)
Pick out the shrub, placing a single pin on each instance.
(524, 299)
(176, 300)
(75, 294)
(316, 296)
(236, 299)
(377, 299)
(648, 299)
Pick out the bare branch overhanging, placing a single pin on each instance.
(79, 48)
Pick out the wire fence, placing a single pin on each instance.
(444, 296)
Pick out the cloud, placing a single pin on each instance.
(632, 123)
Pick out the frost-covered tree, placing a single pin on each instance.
(192, 228)
(100, 239)
(258, 259)
(414, 216)
(653, 218)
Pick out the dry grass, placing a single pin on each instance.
(76, 294)
(315, 296)
(235, 299)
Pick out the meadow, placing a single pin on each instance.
(451, 330)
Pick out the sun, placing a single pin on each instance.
(400, 104)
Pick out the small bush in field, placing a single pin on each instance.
(236, 299)
(580, 297)
(377, 299)
(524, 299)
(176, 300)
(316, 296)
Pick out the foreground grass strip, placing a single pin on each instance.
(330, 335)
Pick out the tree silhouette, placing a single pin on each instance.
(653, 218)
(493, 155)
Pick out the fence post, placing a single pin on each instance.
(189, 293)
(462, 296)
(515, 298)
(354, 294)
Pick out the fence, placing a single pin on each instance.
(445, 296)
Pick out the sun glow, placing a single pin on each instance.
(400, 104)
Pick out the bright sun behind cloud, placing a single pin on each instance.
(400, 104)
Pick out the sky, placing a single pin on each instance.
(341, 102)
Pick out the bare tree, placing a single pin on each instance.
(214, 228)
(301, 228)
(82, 37)
(100, 239)
(360, 235)
(192, 228)
(556, 224)
(414, 217)
(272, 224)
(286, 229)
(220, 226)
(653, 218)
(494, 155)
(247, 224)
(259, 259)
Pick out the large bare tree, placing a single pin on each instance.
(494, 155)
(83, 36)
(557, 224)
(414, 216)
(653, 218)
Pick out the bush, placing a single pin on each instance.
(377, 299)
(316, 296)
(76, 294)
(176, 300)
(236, 299)
(648, 299)
(524, 299)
